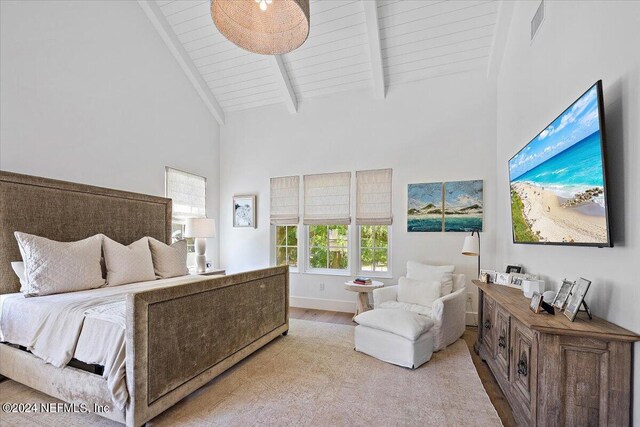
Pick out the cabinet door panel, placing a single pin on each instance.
(502, 344)
(488, 322)
(523, 367)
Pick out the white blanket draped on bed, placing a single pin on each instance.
(50, 327)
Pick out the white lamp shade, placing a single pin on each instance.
(471, 246)
(200, 227)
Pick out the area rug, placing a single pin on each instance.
(312, 377)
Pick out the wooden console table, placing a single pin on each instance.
(555, 372)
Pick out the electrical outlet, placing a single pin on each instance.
(321, 286)
(469, 297)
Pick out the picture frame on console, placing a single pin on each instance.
(562, 296)
(502, 279)
(514, 269)
(576, 299)
(516, 279)
(536, 302)
(491, 275)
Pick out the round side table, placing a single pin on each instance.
(362, 303)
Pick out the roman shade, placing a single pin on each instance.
(188, 194)
(327, 198)
(373, 197)
(285, 194)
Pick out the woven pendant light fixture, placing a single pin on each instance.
(268, 27)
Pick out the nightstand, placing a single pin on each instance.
(208, 272)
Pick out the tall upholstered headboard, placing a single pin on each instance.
(67, 211)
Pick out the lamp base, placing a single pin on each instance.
(201, 260)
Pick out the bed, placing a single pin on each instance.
(178, 333)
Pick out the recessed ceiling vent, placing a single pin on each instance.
(536, 22)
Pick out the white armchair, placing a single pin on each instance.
(447, 312)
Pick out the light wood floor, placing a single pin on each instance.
(488, 381)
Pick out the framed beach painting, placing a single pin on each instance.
(424, 209)
(244, 211)
(463, 203)
(445, 206)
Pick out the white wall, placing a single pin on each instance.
(578, 43)
(90, 93)
(442, 130)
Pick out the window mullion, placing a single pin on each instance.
(328, 249)
(286, 249)
(373, 248)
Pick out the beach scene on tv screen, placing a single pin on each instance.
(557, 180)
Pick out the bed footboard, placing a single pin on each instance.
(181, 337)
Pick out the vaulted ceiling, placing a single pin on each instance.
(352, 45)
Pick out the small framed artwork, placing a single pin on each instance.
(244, 211)
(514, 269)
(502, 279)
(576, 299)
(536, 302)
(563, 294)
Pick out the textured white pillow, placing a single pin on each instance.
(169, 261)
(429, 273)
(419, 292)
(54, 267)
(18, 268)
(127, 264)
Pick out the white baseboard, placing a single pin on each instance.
(322, 304)
(471, 318)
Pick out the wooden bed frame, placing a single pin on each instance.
(177, 338)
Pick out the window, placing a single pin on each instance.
(287, 245)
(373, 217)
(188, 193)
(374, 248)
(284, 196)
(327, 215)
(328, 247)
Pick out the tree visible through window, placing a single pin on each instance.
(287, 245)
(328, 247)
(374, 248)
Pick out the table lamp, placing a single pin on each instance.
(471, 247)
(200, 228)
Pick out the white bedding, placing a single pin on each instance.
(86, 325)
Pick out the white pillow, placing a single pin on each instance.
(418, 292)
(169, 261)
(430, 273)
(127, 264)
(18, 268)
(54, 267)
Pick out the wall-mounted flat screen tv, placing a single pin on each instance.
(558, 180)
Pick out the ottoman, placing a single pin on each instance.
(395, 336)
